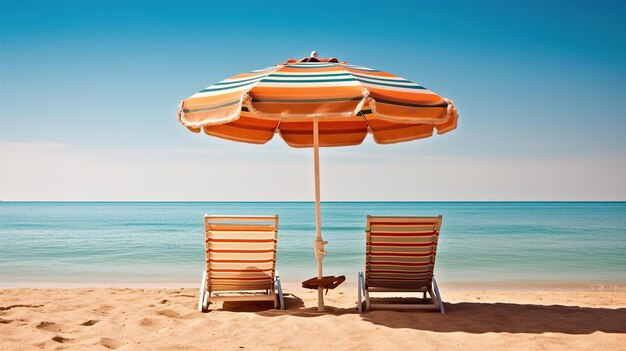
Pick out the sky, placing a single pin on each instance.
(89, 92)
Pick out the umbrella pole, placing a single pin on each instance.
(319, 243)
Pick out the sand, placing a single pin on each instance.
(167, 319)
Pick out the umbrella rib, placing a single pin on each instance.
(369, 127)
(277, 129)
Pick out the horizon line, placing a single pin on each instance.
(309, 201)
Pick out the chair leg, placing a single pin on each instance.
(207, 301)
(202, 301)
(273, 292)
(441, 309)
(279, 290)
(368, 304)
(359, 305)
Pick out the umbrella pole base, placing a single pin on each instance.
(320, 299)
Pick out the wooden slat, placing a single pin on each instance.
(235, 218)
(242, 251)
(397, 263)
(228, 227)
(260, 297)
(239, 235)
(401, 254)
(241, 261)
(402, 244)
(398, 306)
(241, 240)
(398, 289)
(399, 270)
(403, 219)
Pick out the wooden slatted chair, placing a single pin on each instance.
(240, 260)
(400, 257)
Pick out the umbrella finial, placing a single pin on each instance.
(314, 53)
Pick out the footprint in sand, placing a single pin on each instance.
(168, 313)
(110, 343)
(60, 339)
(146, 322)
(104, 309)
(49, 326)
(90, 322)
(6, 308)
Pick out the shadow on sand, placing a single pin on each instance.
(468, 317)
(475, 317)
(292, 304)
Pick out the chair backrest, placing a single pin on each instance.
(240, 252)
(400, 251)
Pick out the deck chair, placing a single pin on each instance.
(400, 257)
(240, 260)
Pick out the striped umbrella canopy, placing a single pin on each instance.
(313, 102)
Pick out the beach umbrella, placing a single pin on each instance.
(317, 102)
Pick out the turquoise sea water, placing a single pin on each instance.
(130, 244)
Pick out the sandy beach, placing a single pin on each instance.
(167, 319)
(151, 151)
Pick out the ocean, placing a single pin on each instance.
(495, 244)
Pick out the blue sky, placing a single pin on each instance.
(89, 92)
